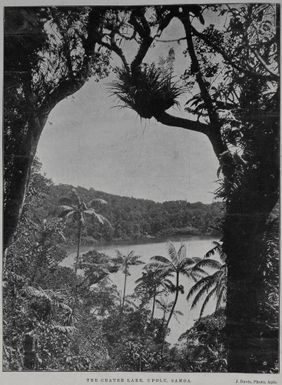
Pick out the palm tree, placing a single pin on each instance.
(213, 284)
(177, 264)
(125, 262)
(166, 307)
(154, 281)
(74, 207)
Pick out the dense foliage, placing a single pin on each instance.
(55, 318)
(133, 219)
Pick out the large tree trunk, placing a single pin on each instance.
(29, 109)
(16, 186)
(252, 344)
(249, 343)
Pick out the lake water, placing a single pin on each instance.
(196, 247)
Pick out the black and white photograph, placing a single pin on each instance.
(141, 174)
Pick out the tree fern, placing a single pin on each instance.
(213, 284)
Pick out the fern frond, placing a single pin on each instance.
(208, 297)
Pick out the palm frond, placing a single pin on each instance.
(211, 252)
(178, 312)
(161, 259)
(130, 255)
(64, 329)
(38, 293)
(167, 269)
(173, 253)
(65, 307)
(205, 289)
(53, 298)
(94, 202)
(220, 298)
(208, 297)
(184, 263)
(135, 260)
(210, 263)
(64, 210)
(196, 259)
(65, 201)
(167, 281)
(175, 314)
(194, 275)
(194, 272)
(216, 249)
(198, 285)
(99, 217)
(199, 270)
(181, 254)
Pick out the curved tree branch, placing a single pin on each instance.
(140, 24)
(220, 149)
(174, 121)
(115, 48)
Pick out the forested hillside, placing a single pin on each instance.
(136, 219)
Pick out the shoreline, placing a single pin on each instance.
(124, 242)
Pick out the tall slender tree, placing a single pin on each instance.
(166, 307)
(73, 207)
(154, 281)
(178, 263)
(125, 261)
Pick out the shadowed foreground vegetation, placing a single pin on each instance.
(56, 319)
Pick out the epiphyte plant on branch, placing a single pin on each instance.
(148, 90)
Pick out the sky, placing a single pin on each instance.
(89, 142)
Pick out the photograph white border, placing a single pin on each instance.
(88, 378)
